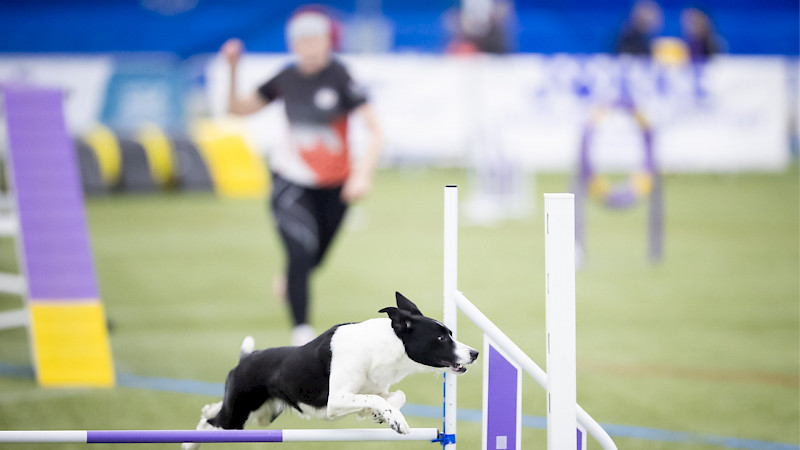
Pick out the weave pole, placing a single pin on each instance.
(214, 436)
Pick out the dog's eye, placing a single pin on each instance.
(442, 338)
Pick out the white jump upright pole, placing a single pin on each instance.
(450, 310)
(559, 239)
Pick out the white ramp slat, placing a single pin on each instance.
(8, 226)
(12, 283)
(13, 319)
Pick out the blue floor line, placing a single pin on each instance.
(435, 412)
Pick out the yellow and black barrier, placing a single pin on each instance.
(214, 156)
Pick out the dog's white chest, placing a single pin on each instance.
(371, 353)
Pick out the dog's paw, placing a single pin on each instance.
(377, 417)
(369, 413)
(211, 410)
(396, 421)
(190, 446)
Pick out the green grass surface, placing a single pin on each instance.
(706, 341)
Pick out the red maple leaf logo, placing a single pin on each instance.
(330, 167)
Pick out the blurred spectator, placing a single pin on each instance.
(644, 22)
(478, 30)
(699, 34)
(313, 178)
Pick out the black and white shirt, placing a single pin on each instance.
(317, 107)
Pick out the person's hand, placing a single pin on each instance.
(357, 186)
(232, 50)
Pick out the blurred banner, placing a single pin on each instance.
(83, 79)
(730, 114)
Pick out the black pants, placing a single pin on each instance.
(307, 221)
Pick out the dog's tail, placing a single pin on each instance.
(248, 344)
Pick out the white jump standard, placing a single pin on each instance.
(559, 277)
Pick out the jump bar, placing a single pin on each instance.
(178, 436)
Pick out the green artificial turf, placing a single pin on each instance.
(704, 342)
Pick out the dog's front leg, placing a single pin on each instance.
(396, 398)
(341, 403)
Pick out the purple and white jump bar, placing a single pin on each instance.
(177, 436)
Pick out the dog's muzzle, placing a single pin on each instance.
(460, 366)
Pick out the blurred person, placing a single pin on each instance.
(699, 34)
(644, 22)
(481, 31)
(313, 178)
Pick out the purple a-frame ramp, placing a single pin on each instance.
(67, 326)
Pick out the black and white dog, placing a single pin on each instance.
(347, 369)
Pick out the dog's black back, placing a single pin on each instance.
(293, 375)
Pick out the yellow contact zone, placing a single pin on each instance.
(236, 171)
(70, 343)
(106, 149)
(158, 148)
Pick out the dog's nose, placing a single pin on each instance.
(473, 355)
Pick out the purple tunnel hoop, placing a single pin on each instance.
(644, 183)
(639, 184)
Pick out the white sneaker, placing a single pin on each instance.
(303, 334)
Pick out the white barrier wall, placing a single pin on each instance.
(731, 114)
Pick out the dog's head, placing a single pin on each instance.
(427, 341)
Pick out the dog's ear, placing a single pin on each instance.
(406, 304)
(401, 320)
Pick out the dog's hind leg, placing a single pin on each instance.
(211, 410)
(208, 412)
(267, 412)
(230, 417)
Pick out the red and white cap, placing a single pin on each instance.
(308, 24)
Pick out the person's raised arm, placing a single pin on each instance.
(360, 181)
(239, 105)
